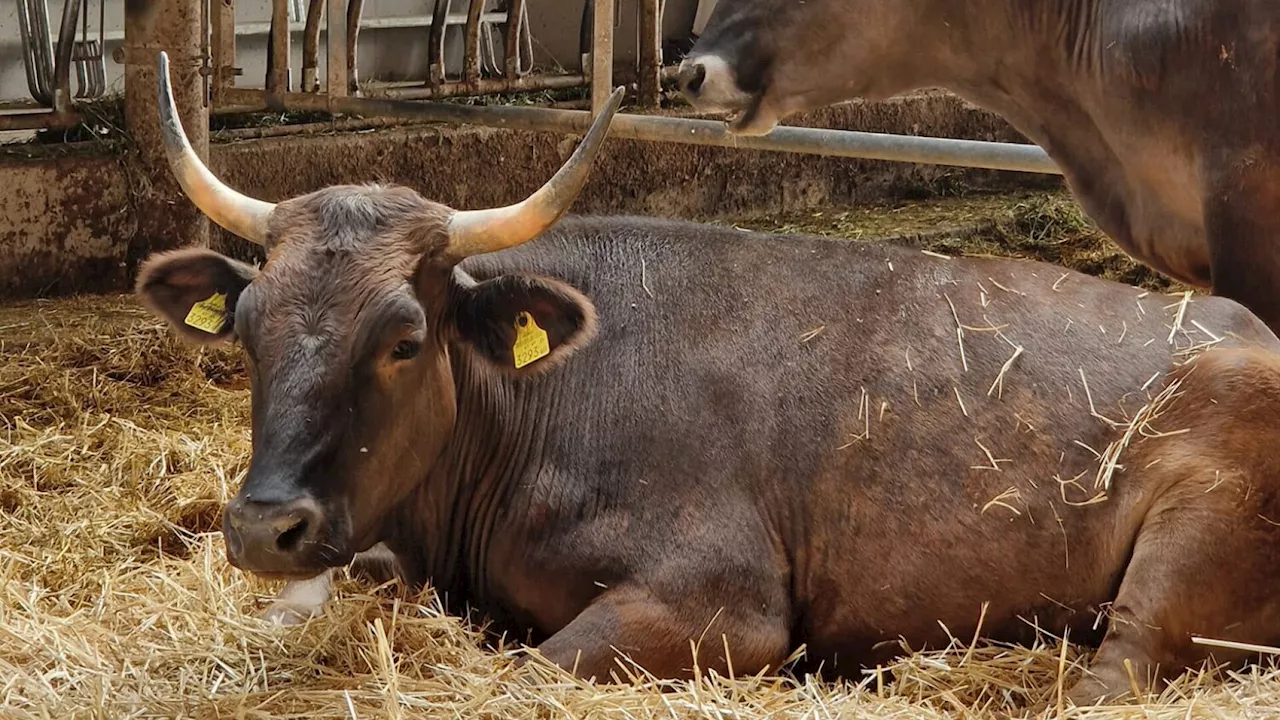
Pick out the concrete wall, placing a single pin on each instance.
(67, 222)
(385, 54)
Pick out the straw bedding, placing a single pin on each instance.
(118, 446)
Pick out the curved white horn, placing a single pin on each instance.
(238, 213)
(473, 232)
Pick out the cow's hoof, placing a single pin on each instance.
(288, 614)
(1089, 691)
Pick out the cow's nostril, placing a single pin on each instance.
(291, 537)
(696, 78)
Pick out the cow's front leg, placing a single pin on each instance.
(660, 637)
(301, 600)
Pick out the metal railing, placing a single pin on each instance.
(48, 65)
(482, 74)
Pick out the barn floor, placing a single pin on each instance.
(118, 446)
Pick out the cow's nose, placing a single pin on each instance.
(272, 537)
(691, 77)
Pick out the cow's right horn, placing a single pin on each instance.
(238, 213)
(473, 232)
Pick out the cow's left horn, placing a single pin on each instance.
(473, 232)
(238, 213)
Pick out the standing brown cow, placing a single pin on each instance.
(629, 433)
(1164, 115)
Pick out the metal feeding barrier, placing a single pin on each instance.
(483, 72)
(49, 69)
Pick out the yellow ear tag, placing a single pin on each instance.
(209, 314)
(531, 341)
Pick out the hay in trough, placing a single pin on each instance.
(118, 446)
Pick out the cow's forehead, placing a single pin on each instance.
(349, 241)
(341, 252)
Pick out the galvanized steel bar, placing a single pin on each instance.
(355, 9)
(37, 49)
(311, 47)
(471, 48)
(810, 141)
(601, 54)
(435, 41)
(336, 48)
(514, 24)
(279, 53)
(62, 60)
(650, 52)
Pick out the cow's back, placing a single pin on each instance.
(812, 400)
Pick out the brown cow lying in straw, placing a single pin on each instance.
(632, 433)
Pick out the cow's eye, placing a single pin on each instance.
(406, 350)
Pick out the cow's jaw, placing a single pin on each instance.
(758, 118)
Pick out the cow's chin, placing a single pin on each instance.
(295, 568)
(757, 118)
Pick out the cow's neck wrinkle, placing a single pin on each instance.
(445, 530)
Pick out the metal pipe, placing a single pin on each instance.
(601, 54)
(483, 86)
(810, 141)
(278, 49)
(62, 64)
(37, 48)
(513, 26)
(311, 47)
(338, 81)
(435, 44)
(82, 77)
(355, 8)
(650, 52)
(51, 120)
(471, 45)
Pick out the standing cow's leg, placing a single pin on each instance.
(1242, 228)
(657, 636)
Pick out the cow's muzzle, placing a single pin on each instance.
(710, 84)
(278, 539)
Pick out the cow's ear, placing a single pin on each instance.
(522, 324)
(195, 290)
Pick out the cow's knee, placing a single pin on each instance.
(625, 626)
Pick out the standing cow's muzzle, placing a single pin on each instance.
(711, 85)
(278, 539)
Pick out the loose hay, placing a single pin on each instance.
(118, 447)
